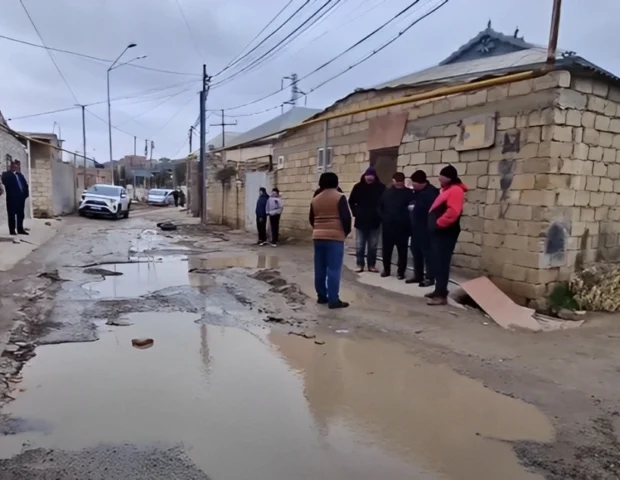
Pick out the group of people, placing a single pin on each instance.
(419, 217)
(178, 196)
(268, 208)
(16, 191)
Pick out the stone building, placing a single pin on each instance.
(539, 155)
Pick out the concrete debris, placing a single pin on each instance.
(572, 315)
(52, 275)
(142, 342)
(271, 319)
(49, 224)
(119, 322)
(319, 342)
(597, 288)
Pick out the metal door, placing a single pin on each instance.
(253, 182)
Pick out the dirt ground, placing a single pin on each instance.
(570, 375)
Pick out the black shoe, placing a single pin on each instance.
(430, 294)
(338, 304)
(413, 280)
(22, 232)
(400, 276)
(385, 274)
(427, 283)
(359, 269)
(322, 301)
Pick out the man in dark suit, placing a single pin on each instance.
(16, 192)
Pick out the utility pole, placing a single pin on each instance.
(206, 80)
(296, 93)
(223, 124)
(191, 133)
(554, 32)
(146, 156)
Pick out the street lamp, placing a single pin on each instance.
(114, 65)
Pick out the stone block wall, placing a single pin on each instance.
(41, 180)
(537, 196)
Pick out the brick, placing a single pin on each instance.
(600, 89)
(573, 118)
(595, 153)
(591, 136)
(458, 102)
(513, 272)
(433, 157)
(587, 214)
(566, 198)
(404, 160)
(562, 134)
(578, 134)
(613, 172)
(533, 135)
(580, 151)
(442, 143)
(596, 104)
(506, 123)
(593, 183)
(523, 182)
(582, 199)
(607, 185)
(417, 159)
(449, 156)
(477, 168)
(427, 145)
(614, 125)
(477, 98)
(522, 87)
(538, 197)
(499, 92)
(587, 119)
(602, 122)
(411, 147)
(600, 169)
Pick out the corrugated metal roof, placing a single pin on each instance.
(288, 119)
(217, 140)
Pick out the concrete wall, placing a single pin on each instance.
(42, 157)
(9, 145)
(520, 225)
(243, 154)
(63, 188)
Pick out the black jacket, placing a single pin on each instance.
(422, 201)
(394, 210)
(12, 183)
(364, 202)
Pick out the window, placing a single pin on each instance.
(280, 162)
(323, 161)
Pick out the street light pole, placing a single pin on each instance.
(131, 45)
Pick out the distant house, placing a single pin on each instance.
(540, 155)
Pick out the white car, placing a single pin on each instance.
(105, 201)
(160, 196)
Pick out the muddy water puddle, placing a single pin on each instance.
(267, 406)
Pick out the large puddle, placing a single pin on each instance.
(270, 406)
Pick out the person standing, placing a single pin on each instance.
(331, 224)
(275, 205)
(394, 212)
(424, 194)
(261, 216)
(175, 196)
(444, 227)
(364, 203)
(16, 192)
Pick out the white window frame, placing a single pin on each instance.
(280, 165)
(323, 163)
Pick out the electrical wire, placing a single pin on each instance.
(48, 52)
(106, 122)
(256, 37)
(266, 38)
(159, 130)
(189, 29)
(98, 59)
(332, 60)
(165, 100)
(239, 72)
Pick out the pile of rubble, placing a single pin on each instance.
(597, 288)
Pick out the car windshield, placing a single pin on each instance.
(158, 192)
(107, 190)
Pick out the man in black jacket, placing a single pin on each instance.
(393, 209)
(16, 191)
(423, 197)
(364, 203)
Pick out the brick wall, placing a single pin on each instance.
(520, 222)
(41, 180)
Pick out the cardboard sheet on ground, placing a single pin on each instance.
(499, 306)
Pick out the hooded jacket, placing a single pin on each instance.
(364, 202)
(275, 206)
(445, 213)
(261, 205)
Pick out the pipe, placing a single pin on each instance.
(417, 97)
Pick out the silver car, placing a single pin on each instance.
(160, 197)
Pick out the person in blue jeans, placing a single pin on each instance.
(331, 224)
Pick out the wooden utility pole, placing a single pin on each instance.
(223, 124)
(554, 32)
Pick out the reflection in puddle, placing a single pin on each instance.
(247, 406)
(141, 278)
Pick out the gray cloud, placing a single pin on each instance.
(30, 83)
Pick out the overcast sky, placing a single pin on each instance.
(29, 82)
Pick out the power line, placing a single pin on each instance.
(174, 115)
(189, 30)
(266, 38)
(275, 46)
(48, 52)
(166, 99)
(91, 57)
(257, 36)
(355, 45)
(261, 61)
(114, 127)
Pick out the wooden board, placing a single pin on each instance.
(499, 306)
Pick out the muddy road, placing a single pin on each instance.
(247, 378)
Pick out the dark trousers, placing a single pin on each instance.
(443, 244)
(365, 238)
(176, 201)
(391, 239)
(15, 212)
(261, 226)
(274, 222)
(328, 258)
(422, 253)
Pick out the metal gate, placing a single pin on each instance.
(253, 182)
